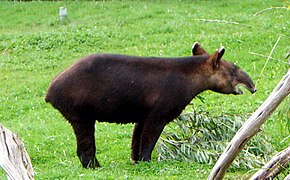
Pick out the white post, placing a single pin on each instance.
(62, 13)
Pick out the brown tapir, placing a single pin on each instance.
(147, 91)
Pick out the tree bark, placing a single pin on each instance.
(274, 166)
(251, 127)
(13, 157)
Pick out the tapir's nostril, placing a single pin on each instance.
(254, 90)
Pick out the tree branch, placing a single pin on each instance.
(274, 166)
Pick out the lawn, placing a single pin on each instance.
(35, 46)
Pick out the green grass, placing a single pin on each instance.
(35, 46)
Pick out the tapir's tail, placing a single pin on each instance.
(47, 98)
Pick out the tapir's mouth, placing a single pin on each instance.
(237, 89)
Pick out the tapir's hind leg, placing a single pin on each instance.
(86, 148)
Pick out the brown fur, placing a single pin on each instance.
(149, 92)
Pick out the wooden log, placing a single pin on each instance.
(250, 128)
(274, 166)
(13, 157)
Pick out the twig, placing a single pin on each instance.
(274, 47)
(267, 9)
(261, 55)
(237, 23)
(287, 56)
(218, 21)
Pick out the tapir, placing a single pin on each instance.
(147, 91)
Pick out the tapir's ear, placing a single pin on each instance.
(221, 52)
(217, 56)
(197, 49)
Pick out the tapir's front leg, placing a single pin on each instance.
(152, 129)
(86, 148)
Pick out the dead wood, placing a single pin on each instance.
(14, 159)
(279, 162)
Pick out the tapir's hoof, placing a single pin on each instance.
(90, 164)
(134, 162)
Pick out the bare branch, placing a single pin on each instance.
(270, 55)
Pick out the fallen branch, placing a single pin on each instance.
(251, 127)
(217, 21)
(14, 158)
(274, 166)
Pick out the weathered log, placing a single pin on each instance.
(251, 127)
(13, 157)
(274, 166)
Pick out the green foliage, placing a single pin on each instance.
(35, 46)
(198, 136)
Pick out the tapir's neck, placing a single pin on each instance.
(197, 71)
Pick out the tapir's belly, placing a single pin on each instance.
(117, 110)
(121, 115)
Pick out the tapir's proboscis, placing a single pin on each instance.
(147, 91)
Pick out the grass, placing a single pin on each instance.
(35, 46)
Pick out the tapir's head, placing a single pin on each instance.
(224, 77)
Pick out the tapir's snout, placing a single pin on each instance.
(245, 80)
(252, 89)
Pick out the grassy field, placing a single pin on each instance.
(35, 46)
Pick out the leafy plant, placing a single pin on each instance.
(199, 136)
